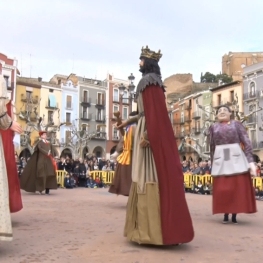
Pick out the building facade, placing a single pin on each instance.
(28, 94)
(253, 102)
(50, 105)
(8, 68)
(118, 101)
(92, 114)
(234, 62)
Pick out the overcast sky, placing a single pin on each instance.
(94, 37)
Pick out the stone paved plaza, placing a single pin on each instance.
(86, 225)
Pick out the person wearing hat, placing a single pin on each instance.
(40, 171)
(157, 212)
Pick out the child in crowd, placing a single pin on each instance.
(68, 182)
(91, 183)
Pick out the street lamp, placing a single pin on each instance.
(129, 89)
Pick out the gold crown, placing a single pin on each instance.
(147, 53)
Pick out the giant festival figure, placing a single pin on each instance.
(232, 167)
(157, 212)
(6, 122)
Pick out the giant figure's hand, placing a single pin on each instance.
(124, 124)
(16, 127)
(253, 169)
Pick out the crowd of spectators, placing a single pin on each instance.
(77, 170)
(204, 168)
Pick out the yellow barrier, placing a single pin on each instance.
(257, 182)
(107, 177)
(61, 177)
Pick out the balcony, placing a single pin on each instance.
(251, 95)
(182, 121)
(32, 99)
(69, 106)
(67, 122)
(255, 145)
(188, 107)
(100, 118)
(115, 138)
(177, 122)
(86, 116)
(187, 119)
(126, 101)
(100, 136)
(115, 99)
(197, 130)
(251, 119)
(100, 104)
(85, 101)
(196, 115)
(52, 106)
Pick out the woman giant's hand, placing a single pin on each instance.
(253, 169)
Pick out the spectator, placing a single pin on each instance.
(91, 183)
(68, 182)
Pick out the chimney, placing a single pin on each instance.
(39, 79)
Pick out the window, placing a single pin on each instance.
(50, 116)
(232, 96)
(219, 100)
(252, 89)
(51, 90)
(99, 114)
(125, 98)
(182, 116)
(85, 96)
(67, 136)
(69, 102)
(28, 95)
(115, 134)
(6, 80)
(116, 95)
(125, 113)
(84, 112)
(84, 127)
(115, 109)
(68, 117)
(100, 98)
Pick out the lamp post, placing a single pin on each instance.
(129, 89)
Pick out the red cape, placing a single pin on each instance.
(176, 221)
(15, 200)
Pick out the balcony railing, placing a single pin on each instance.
(251, 95)
(100, 103)
(251, 119)
(86, 101)
(69, 106)
(196, 115)
(187, 119)
(86, 116)
(100, 118)
(100, 136)
(25, 98)
(182, 121)
(51, 106)
(115, 99)
(255, 145)
(115, 138)
(125, 101)
(197, 130)
(188, 107)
